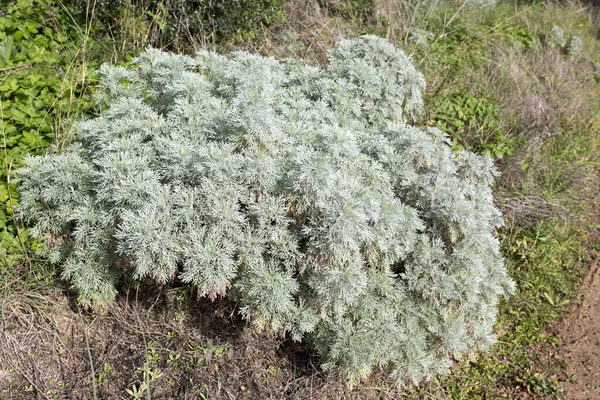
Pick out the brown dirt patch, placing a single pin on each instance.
(579, 336)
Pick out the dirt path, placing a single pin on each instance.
(580, 340)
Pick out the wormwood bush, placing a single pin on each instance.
(298, 190)
(574, 47)
(556, 38)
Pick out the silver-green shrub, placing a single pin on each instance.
(298, 190)
(575, 46)
(556, 38)
(420, 37)
(482, 3)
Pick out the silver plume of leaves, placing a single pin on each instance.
(300, 190)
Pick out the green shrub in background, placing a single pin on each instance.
(300, 191)
(181, 25)
(43, 83)
(556, 39)
(420, 37)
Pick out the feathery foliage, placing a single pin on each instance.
(299, 190)
(556, 38)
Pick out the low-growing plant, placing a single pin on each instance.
(300, 191)
(575, 46)
(420, 36)
(473, 123)
(556, 38)
(43, 83)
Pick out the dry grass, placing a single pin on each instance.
(541, 88)
(531, 209)
(200, 350)
(309, 32)
(544, 94)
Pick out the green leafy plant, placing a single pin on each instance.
(538, 384)
(103, 376)
(300, 191)
(521, 36)
(43, 84)
(473, 122)
(150, 374)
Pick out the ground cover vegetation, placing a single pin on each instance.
(497, 81)
(44, 78)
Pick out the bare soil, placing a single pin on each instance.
(579, 336)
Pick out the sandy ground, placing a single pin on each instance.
(580, 338)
